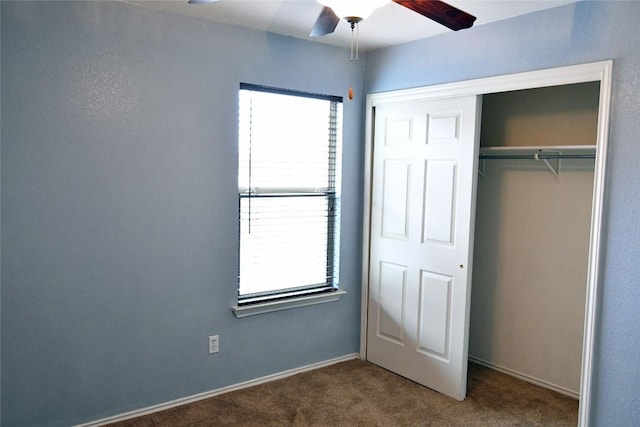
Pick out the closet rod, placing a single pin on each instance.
(537, 156)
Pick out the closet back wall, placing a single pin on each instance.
(532, 237)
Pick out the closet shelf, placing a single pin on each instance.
(550, 155)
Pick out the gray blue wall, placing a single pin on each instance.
(119, 220)
(580, 33)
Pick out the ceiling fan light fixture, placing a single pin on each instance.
(359, 9)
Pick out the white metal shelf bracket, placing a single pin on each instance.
(553, 163)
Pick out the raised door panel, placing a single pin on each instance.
(434, 312)
(392, 291)
(440, 196)
(395, 198)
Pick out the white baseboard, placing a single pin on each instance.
(527, 378)
(208, 394)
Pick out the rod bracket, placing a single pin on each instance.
(552, 162)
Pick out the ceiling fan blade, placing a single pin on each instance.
(325, 24)
(441, 12)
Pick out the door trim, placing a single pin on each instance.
(596, 71)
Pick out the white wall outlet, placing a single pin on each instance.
(214, 344)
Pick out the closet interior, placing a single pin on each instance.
(533, 217)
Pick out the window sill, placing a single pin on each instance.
(301, 301)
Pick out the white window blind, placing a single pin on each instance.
(288, 203)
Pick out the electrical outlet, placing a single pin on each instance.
(214, 344)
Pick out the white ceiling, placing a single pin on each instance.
(390, 25)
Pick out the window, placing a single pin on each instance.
(289, 208)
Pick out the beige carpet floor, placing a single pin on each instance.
(357, 393)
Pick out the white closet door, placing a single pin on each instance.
(423, 200)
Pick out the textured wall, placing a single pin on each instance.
(119, 210)
(580, 33)
(530, 269)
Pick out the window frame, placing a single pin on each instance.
(278, 299)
